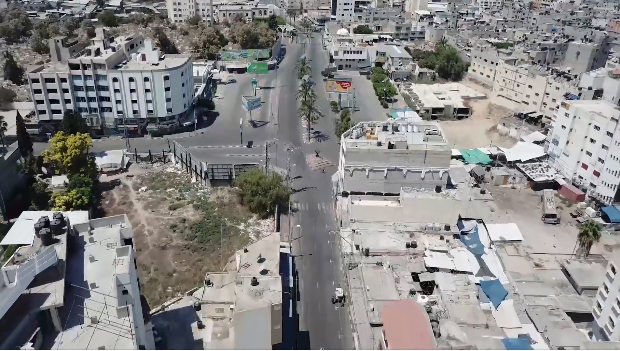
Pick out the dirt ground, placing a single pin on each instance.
(181, 230)
(480, 129)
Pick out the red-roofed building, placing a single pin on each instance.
(406, 326)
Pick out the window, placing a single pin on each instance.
(104, 98)
(169, 110)
(610, 134)
(150, 112)
(52, 91)
(125, 292)
(146, 79)
(167, 89)
(101, 77)
(604, 147)
(92, 99)
(66, 91)
(117, 90)
(597, 127)
(56, 112)
(537, 94)
(166, 78)
(106, 109)
(598, 305)
(563, 127)
(149, 101)
(88, 77)
(115, 80)
(118, 102)
(37, 91)
(35, 80)
(94, 110)
(592, 141)
(147, 90)
(612, 325)
(168, 99)
(131, 80)
(42, 112)
(605, 288)
(183, 84)
(132, 90)
(90, 88)
(135, 112)
(80, 99)
(134, 101)
(613, 269)
(588, 153)
(102, 88)
(67, 101)
(182, 74)
(584, 166)
(49, 80)
(600, 160)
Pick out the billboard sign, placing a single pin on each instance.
(339, 85)
(249, 54)
(251, 102)
(258, 67)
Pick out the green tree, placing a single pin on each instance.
(273, 22)
(308, 112)
(362, 29)
(306, 91)
(166, 46)
(303, 68)
(73, 123)
(291, 13)
(12, 71)
(41, 33)
(589, 234)
(30, 167)
(194, 20)
(209, 43)
(71, 200)
(450, 65)
(108, 19)
(14, 24)
(70, 26)
(7, 95)
(262, 193)
(69, 154)
(253, 35)
(23, 138)
(89, 28)
(40, 195)
(344, 123)
(3, 129)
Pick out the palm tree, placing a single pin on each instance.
(303, 68)
(309, 113)
(306, 91)
(3, 128)
(589, 234)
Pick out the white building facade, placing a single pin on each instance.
(125, 82)
(606, 309)
(585, 146)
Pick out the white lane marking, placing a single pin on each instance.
(318, 207)
(317, 285)
(333, 283)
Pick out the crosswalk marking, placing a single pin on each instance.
(323, 207)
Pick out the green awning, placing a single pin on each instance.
(475, 156)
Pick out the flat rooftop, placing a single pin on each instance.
(442, 95)
(396, 135)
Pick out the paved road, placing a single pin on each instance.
(322, 324)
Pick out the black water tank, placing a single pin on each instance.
(56, 226)
(414, 244)
(366, 252)
(197, 306)
(60, 217)
(437, 188)
(447, 227)
(46, 236)
(37, 228)
(254, 281)
(45, 220)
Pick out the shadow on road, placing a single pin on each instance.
(320, 136)
(295, 191)
(208, 119)
(258, 124)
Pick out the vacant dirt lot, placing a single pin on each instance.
(480, 129)
(181, 230)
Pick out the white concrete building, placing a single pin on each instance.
(76, 276)
(349, 10)
(606, 309)
(115, 83)
(585, 146)
(488, 4)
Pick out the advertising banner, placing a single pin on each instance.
(249, 54)
(339, 85)
(258, 67)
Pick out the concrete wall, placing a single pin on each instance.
(359, 181)
(379, 157)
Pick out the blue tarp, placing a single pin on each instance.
(572, 97)
(494, 290)
(611, 214)
(516, 344)
(472, 242)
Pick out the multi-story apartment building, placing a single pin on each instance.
(249, 12)
(180, 10)
(349, 10)
(606, 309)
(585, 146)
(488, 4)
(121, 83)
(420, 21)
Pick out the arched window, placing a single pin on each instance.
(114, 80)
(131, 80)
(146, 79)
(166, 78)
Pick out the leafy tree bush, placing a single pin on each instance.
(194, 20)
(253, 35)
(7, 95)
(70, 26)
(14, 24)
(363, 29)
(24, 143)
(344, 123)
(209, 43)
(261, 193)
(108, 19)
(40, 196)
(41, 33)
(73, 123)
(12, 71)
(71, 200)
(68, 154)
(89, 28)
(166, 46)
(445, 60)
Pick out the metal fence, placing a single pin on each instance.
(196, 168)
